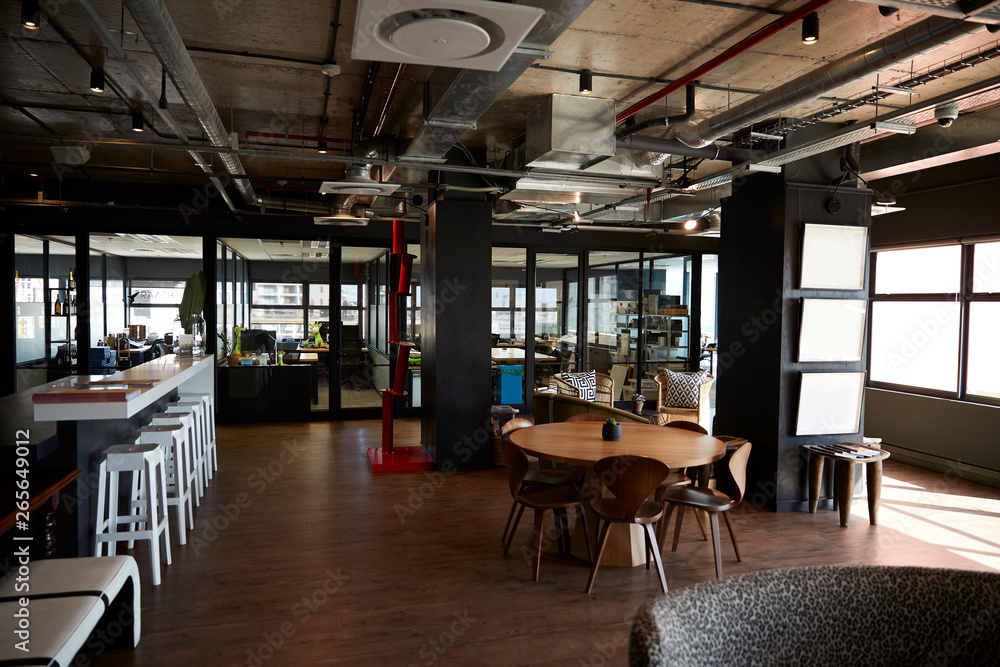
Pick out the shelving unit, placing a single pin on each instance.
(59, 331)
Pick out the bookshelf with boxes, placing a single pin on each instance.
(661, 332)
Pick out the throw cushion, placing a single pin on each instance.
(682, 391)
(585, 384)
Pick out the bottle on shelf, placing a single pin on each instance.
(71, 284)
(72, 308)
(57, 308)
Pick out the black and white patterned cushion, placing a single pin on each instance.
(682, 390)
(585, 383)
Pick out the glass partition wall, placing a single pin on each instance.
(557, 312)
(510, 347)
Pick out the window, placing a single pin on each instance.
(156, 304)
(934, 316)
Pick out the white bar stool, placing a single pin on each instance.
(186, 419)
(201, 434)
(209, 401)
(180, 470)
(141, 460)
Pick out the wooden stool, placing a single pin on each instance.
(844, 480)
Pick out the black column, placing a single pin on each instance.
(8, 318)
(82, 277)
(455, 241)
(759, 310)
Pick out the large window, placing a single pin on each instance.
(934, 316)
(156, 304)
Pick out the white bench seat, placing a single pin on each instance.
(69, 597)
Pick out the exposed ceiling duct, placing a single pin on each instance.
(455, 100)
(153, 19)
(908, 43)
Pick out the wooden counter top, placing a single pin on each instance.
(167, 373)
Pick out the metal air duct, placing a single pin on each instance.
(913, 41)
(153, 19)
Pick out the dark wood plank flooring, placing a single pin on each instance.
(300, 556)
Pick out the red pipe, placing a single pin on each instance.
(730, 53)
(294, 137)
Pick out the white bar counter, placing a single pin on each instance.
(168, 372)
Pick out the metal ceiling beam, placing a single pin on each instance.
(153, 19)
(456, 99)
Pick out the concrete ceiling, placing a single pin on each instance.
(260, 63)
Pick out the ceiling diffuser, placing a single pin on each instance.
(470, 34)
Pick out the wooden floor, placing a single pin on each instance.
(302, 557)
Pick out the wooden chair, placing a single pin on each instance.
(539, 498)
(631, 479)
(703, 471)
(701, 414)
(588, 417)
(712, 501)
(535, 476)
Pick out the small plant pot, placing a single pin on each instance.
(637, 407)
(612, 432)
(233, 359)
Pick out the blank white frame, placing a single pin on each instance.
(830, 403)
(833, 256)
(832, 329)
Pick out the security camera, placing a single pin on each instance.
(945, 114)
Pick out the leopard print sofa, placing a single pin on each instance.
(825, 616)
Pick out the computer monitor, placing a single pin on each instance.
(254, 340)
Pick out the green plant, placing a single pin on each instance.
(611, 421)
(226, 347)
(193, 301)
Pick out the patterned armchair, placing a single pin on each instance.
(603, 388)
(676, 396)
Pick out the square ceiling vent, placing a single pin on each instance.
(467, 34)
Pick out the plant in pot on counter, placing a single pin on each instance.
(232, 357)
(611, 430)
(637, 402)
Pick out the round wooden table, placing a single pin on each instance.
(580, 444)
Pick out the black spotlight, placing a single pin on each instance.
(321, 147)
(137, 122)
(810, 29)
(586, 82)
(97, 80)
(887, 11)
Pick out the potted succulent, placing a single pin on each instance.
(232, 358)
(611, 430)
(637, 402)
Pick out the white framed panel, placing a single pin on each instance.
(833, 257)
(830, 403)
(832, 329)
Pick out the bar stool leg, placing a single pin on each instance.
(874, 474)
(845, 489)
(102, 507)
(815, 478)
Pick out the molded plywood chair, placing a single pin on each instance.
(712, 501)
(535, 476)
(630, 479)
(539, 498)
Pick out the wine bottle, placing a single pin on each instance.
(58, 306)
(72, 308)
(71, 283)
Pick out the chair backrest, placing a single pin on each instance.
(738, 470)
(687, 426)
(605, 389)
(662, 399)
(631, 479)
(513, 425)
(587, 417)
(517, 465)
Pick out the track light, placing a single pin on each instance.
(321, 147)
(586, 82)
(97, 80)
(691, 223)
(137, 121)
(576, 216)
(31, 14)
(810, 29)
(887, 11)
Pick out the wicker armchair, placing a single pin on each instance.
(700, 415)
(605, 387)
